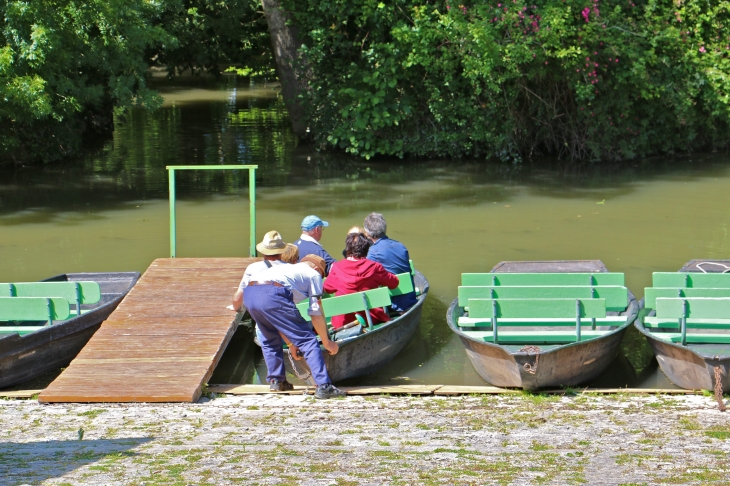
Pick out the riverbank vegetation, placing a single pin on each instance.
(597, 80)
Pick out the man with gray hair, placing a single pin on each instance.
(392, 254)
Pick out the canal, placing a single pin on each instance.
(108, 211)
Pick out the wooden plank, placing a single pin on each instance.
(691, 279)
(450, 390)
(542, 279)
(351, 390)
(697, 307)
(163, 341)
(20, 393)
(537, 308)
(617, 297)
(651, 294)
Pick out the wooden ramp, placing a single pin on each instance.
(163, 341)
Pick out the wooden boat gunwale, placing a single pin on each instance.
(521, 361)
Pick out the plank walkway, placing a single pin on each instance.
(163, 341)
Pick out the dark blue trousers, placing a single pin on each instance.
(274, 311)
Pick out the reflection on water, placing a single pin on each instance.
(108, 211)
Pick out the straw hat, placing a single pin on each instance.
(318, 263)
(272, 244)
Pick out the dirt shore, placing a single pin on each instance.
(522, 439)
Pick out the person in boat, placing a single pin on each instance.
(271, 300)
(354, 229)
(271, 248)
(291, 254)
(355, 274)
(392, 254)
(308, 243)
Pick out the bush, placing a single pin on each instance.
(65, 66)
(580, 79)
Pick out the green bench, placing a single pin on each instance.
(617, 297)
(32, 309)
(346, 304)
(689, 300)
(542, 279)
(74, 292)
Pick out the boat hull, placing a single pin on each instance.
(23, 358)
(566, 365)
(368, 352)
(693, 367)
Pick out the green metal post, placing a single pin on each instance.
(252, 211)
(173, 235)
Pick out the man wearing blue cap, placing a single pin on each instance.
(308, 243)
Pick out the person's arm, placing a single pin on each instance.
(385, 278)
(328, 260)
(320, 326)
(237, 301)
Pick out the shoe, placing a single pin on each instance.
(278, 386)
(328, 391)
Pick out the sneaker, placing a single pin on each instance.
(278, 386)
(328, 391)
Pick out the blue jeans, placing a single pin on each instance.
(274, 311)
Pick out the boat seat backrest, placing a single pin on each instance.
(405, 285)
(33, 309)
(691, 280)
(652, 293)
(79, 292)
(537, 308)
(542, 279)
(346, 304)
(687, 315)
(617, 297)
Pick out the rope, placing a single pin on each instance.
(727, 269)
(296, 372)
(532, 369)
(718, 389)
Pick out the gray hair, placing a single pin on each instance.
(375, 225)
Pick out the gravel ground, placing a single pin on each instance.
(269, 439)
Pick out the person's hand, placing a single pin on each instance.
(230, 307)
(294, 351)
(331, 346)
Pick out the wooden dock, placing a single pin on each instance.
(163, 341)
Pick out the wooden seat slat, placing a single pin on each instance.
(537, 308)
(691, 280)
(542, 279)
(617, 297)
(405, 285)
(652, 293)
(539, 322)
(528, 337)
(90, 292)
(346, 304)
(697, 307)
(676, 337)
(33, 308)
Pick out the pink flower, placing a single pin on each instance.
(586, 14)
(702, 49)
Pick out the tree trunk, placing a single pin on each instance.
(289, 64)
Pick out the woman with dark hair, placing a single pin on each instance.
(355, 274)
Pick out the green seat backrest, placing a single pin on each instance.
(33, 308)
(652, 293)
(617, 297)
(697, 308)
(89, 292)
(537, 308)
(405, 285)
(345, 304)
(691, 279)
(541, 279)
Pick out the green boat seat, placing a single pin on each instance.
(691, 280)
(617, 297)
(79, 292)
(534, 312)
(32, 309)
(652, 293)
(405, 285)
(542, 279)
(346, 304)
(691, 313)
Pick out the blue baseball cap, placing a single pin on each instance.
(312, 221)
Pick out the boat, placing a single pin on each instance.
(536, 365)
(24, 356)
(365, 353)
(694, 365)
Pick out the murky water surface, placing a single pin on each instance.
(108, 211)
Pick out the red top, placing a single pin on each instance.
(348, 277)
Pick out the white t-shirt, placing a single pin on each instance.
(255, 268)
(303, 281)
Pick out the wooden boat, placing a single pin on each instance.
(26, 356)
(533, 366)
(693, 365)
(365, 353)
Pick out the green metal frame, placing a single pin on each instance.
(251, 198)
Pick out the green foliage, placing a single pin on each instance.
(209, 33)
(64, 66)
(584, 79)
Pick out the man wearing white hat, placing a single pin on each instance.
(271, 247)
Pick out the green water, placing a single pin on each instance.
(108, 211)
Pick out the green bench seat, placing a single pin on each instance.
(617, 297)
(537, 312)
(79, 292)
(691, 280)
(651, 294)
(346, 304)
(691, 313)
(542, 279)
(32, 309)
(405, 285)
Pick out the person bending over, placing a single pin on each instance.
(308, 243)
(356, 273)
(271, 300)
(271, 247)
(392, 254)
